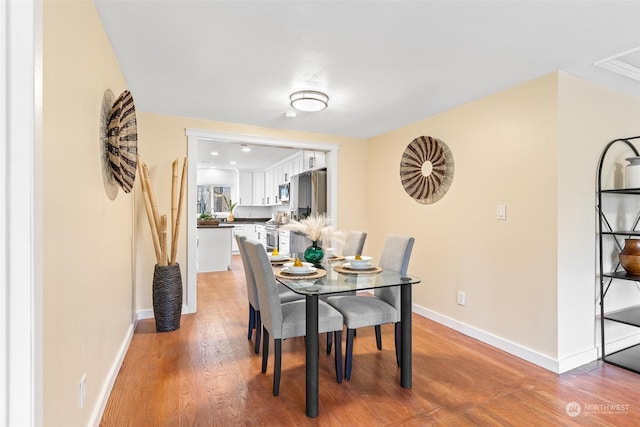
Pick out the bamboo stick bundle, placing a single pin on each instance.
(174, 201)
(163, 240)
(176, 230)
(152, 197)
(148, 209)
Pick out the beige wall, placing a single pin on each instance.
(162, 139)
(590, 116)
(530, 280)
(87, 238)
(504, 149)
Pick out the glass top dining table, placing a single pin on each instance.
(343, 281)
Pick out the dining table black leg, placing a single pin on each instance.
(312, 355)
(405, 336)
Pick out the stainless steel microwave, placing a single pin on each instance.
(283, 192)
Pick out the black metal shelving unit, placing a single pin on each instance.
(629, 357)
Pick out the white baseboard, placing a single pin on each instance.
(110, 380)
(148, 314)
(144, 314)
(546, 362)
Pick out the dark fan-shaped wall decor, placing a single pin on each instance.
(119, 139)
(426, 169)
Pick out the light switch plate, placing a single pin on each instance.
(501, 212)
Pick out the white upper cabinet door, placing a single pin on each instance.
(297, 165)
(245, 190)
(285, 172)
(258, 189)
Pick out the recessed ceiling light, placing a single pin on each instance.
(215, 153)
(309, 100)
(233, 162)
(245, 148)
(290, 114)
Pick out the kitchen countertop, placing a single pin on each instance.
(220, 225)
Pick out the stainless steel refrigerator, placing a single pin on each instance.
(308, 194)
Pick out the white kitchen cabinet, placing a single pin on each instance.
(238, 229)
(258, 189)
(245, 190)
(214, 248)
(269, 193)
(283, 242)
(250, 231)
(313, 160)
(285, 172)
(261, 237)
(297, 165)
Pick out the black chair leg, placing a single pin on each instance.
(258, 329)
(265, 349)
(349, 354)
(277, 365)
(338, 355)
(329, 342)
(398, 337)
(378, 337)
(252, 313)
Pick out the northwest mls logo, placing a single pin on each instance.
(573, 409)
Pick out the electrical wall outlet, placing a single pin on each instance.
(83, 381)
(462, 298)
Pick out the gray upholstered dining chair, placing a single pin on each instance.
(286, 295)
(381, 308)
(287, 320)
(353, 245)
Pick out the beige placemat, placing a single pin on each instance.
(336, 258)
(372, 270)
(315, 275)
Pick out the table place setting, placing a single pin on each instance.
(300, 271)
(358, 264)
(278, 259)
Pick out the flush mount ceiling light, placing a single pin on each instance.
(309, 100)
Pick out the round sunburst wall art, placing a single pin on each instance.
(426, 169)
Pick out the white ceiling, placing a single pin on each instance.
(384, 64)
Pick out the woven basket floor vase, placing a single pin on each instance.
(167, 297)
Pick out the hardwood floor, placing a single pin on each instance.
(206, 374)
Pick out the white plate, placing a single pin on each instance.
(299, 271)
(277, 257)
(353, 267)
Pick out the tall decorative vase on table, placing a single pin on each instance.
(314, 253)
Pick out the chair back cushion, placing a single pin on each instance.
(354, 243)
(252, 291)
(268, 293)
(396, 254)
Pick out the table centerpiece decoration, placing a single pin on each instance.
(317, 228)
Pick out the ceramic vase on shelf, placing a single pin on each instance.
(230, 217)
(632, 173)
(314, 253)
(630, 256)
